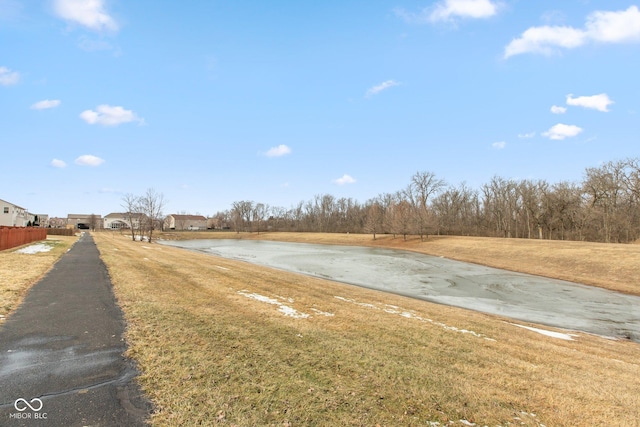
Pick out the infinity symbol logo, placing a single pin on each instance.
(22, 404)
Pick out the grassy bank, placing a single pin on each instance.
(225, 342)
(18, 271)
(610, 266)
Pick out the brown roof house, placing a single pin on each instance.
(186, 222)
(85, 221)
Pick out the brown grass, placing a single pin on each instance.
(610, 266)
(210, 355)
(18, 272)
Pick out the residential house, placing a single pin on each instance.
(186, 222)
(57, 222)
(13, 215)
(84, 221)
(120, 220)
(41, 220)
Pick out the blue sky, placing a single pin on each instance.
(209, 102)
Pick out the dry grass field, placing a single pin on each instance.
(18, 272)
(229, 343)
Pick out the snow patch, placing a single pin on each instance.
(322, 313)
(34, 249)
(284, 309)
(392, 309)
(559, 335)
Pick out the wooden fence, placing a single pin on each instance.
(10, 237)
(60, 231)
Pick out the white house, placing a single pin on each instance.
(13, 215)
(119, 220)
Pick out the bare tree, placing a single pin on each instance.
(241, 213)
(260, 212)
(374, 219)
(423, 185)
(152, 204)
(133, 210)
(93, 222)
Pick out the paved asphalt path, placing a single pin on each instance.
(64, 345)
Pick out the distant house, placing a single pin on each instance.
(186, 222)
(84, 221)
(13, 215)
(41, 220)
(119, 220)
(57, 222)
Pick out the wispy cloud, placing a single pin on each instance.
(345, 179)
(90, 14)
(555, 109)
(58, 163)
(45, 104)
(280, 150)
(450, 10)
(107, 190)
(562, 131)
(100, 45)
(526, 135)
(601, 26)
(499, 145)
(8, 77)
(89, 160)
(382, 86)
(599, 102)
(106, 115)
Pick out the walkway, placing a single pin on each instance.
(61, 352)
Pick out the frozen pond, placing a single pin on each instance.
(518, 296)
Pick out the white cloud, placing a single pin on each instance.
(107, 115)
(346, 179)
(614, 27)
(47, 103)
(599, 102)
(544, 39)
(278, 151)
(58, 163)
(477, 9)
(8, 77)
(499, 145)
(555, 109)
(89, 160)
(88, 13)
(382, 86)
(449, 10)
(526, 135)
(562, 131)
(600, 26)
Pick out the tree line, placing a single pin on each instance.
(603, 207)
